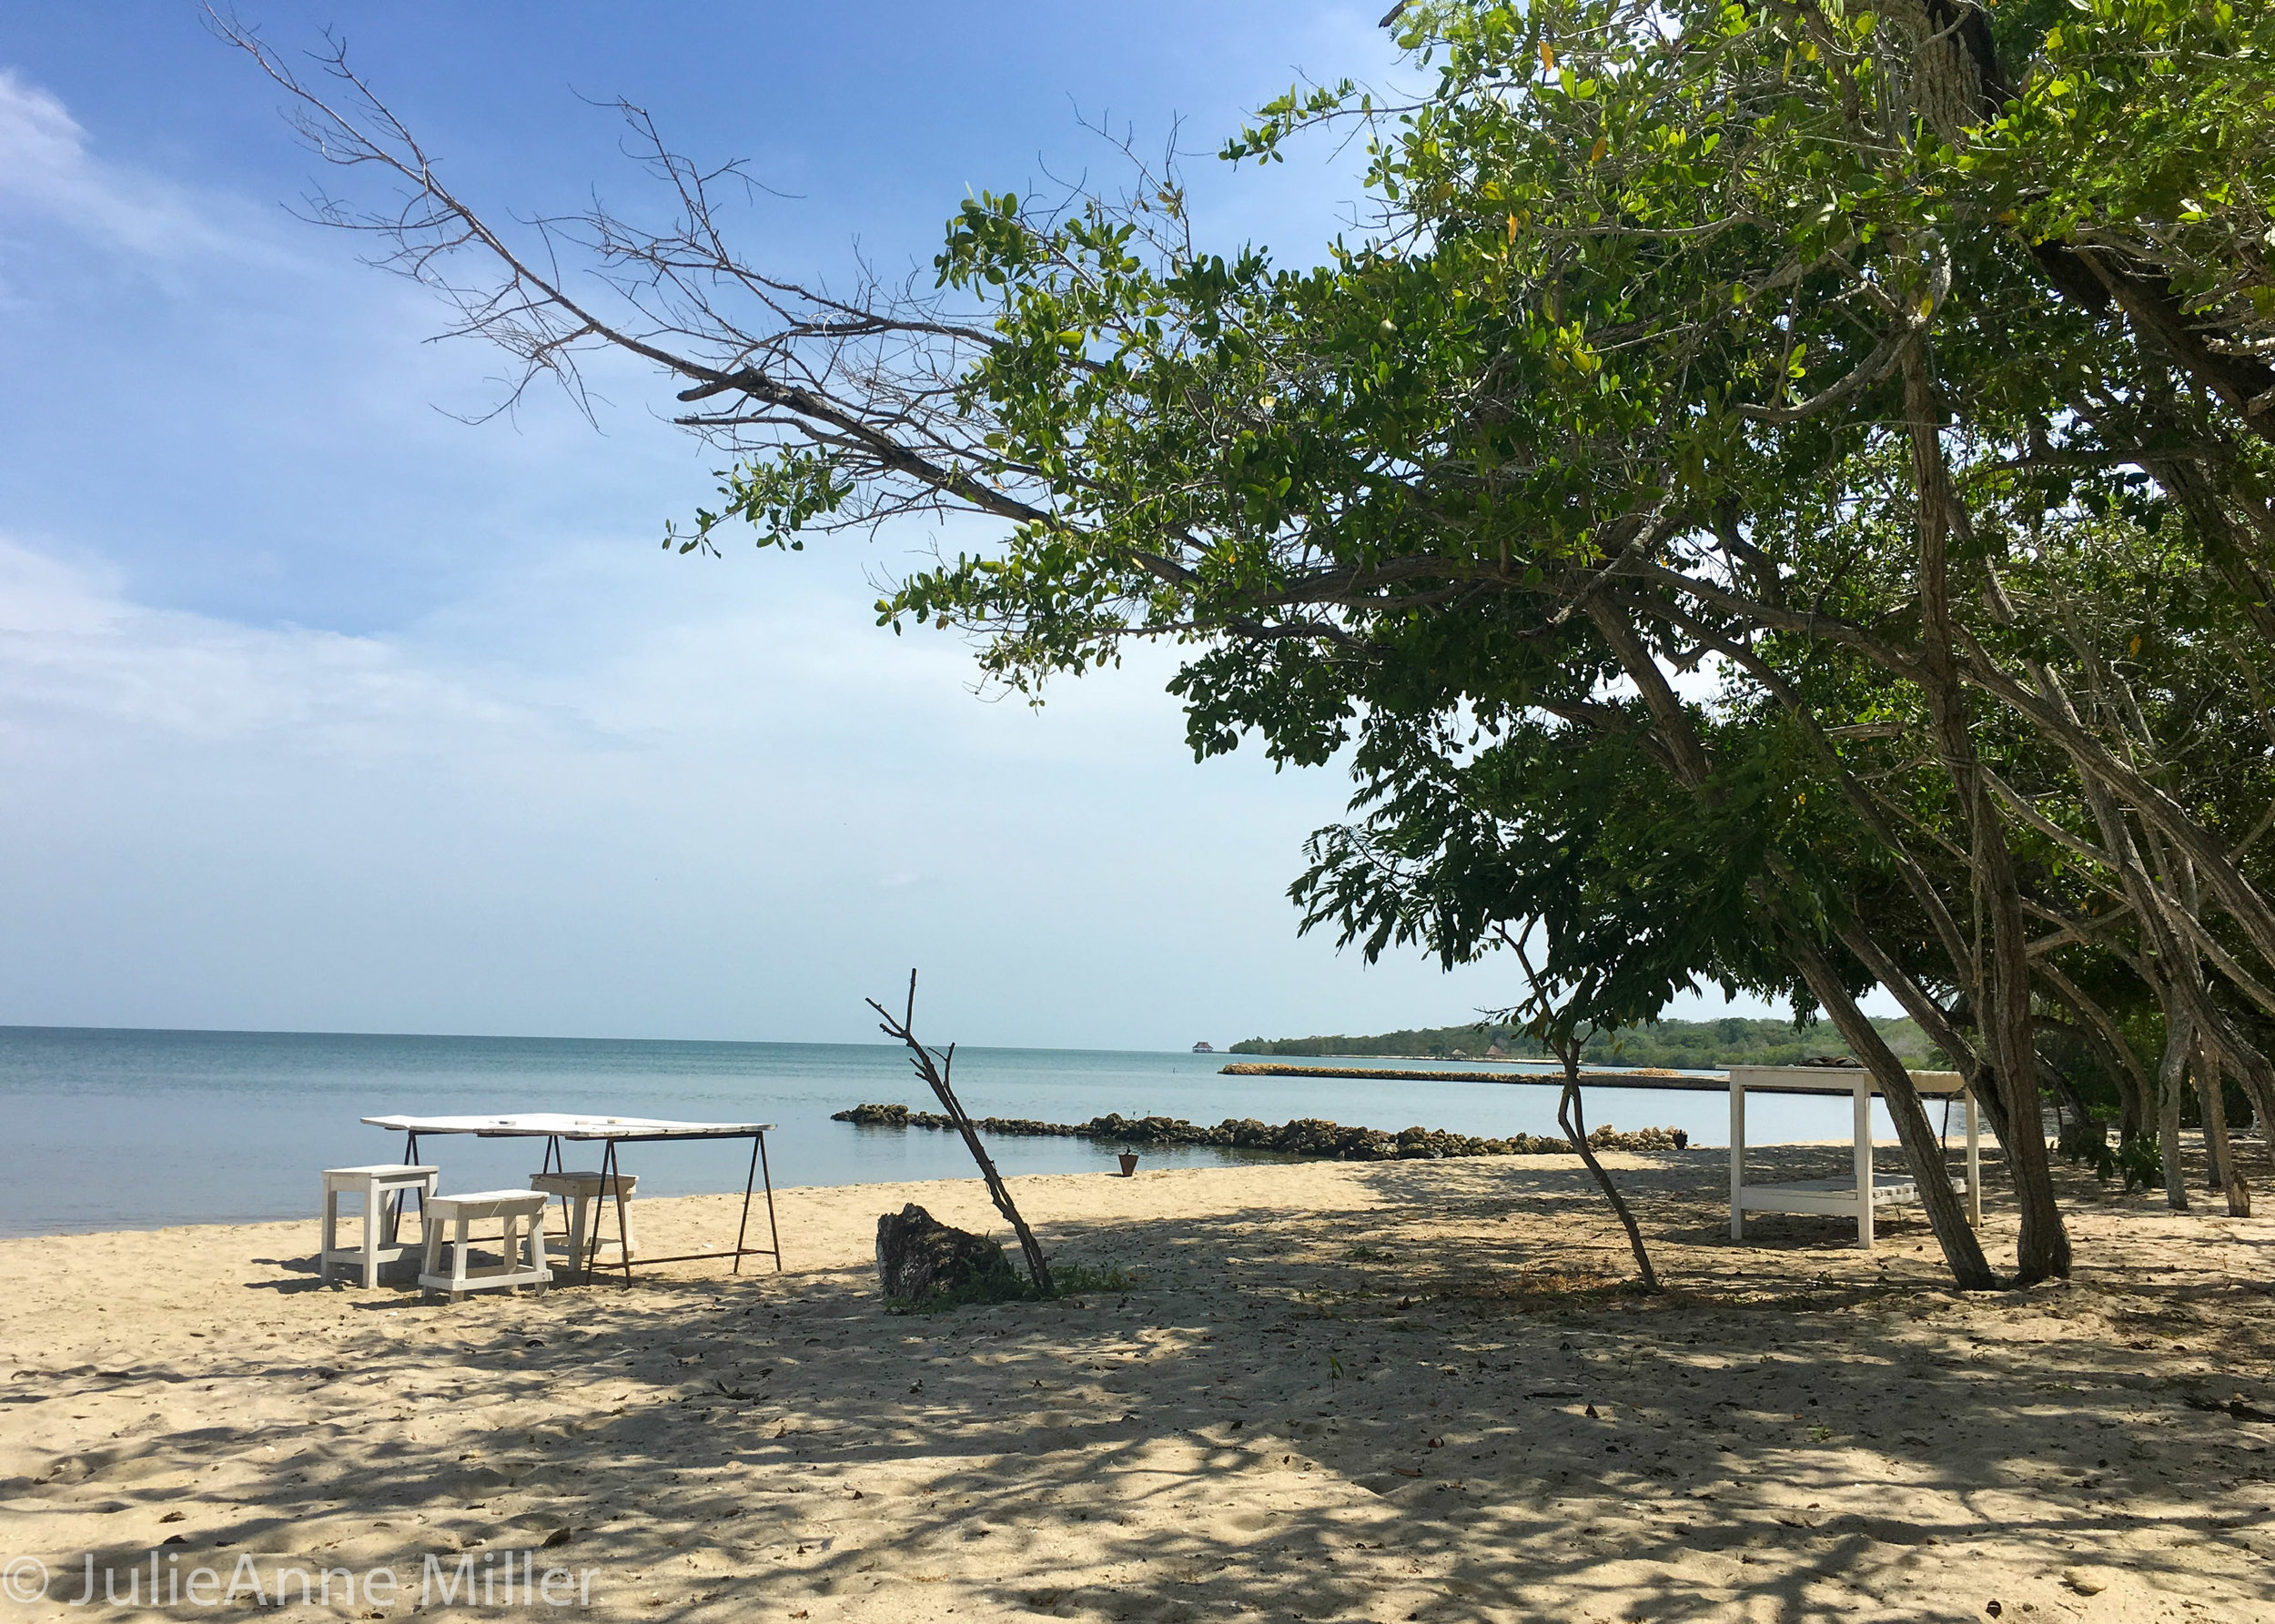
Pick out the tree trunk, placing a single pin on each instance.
(2171, 1077)
(2003, 1010)
(2222, 1174)
(1936, 1022)
(2256, 1084)
(2229, 1047)
(1961, 1248)
(2117, 1054)
(1569, 1118)
(2204, 1073)
(2070, 1103)
(1923, 1147)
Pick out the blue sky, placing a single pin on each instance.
(323, 709)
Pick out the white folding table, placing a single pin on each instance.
(609, 1132)
(1866, 1191)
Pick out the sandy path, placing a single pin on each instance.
(1342, 1392)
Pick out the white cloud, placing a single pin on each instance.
(728, 820)
(48, 170)
(727, 806)
(77, 655)
(45, 597)
(610, 653)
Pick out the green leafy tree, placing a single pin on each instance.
(1819, 353)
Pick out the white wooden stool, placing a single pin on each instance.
(581, 1193)
(524, 1247)
(382, 1188)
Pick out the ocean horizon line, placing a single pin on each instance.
(555, 1037)
(712, 1043)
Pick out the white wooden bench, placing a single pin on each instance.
(382, 1189)
(581, 1193)
(450, 1220)
(1865, 1193)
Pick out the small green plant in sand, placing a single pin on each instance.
(2142, 1161)
(1368, 1254)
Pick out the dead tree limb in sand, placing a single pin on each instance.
(934, 1065)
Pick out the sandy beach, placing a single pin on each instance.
(1391, 1391)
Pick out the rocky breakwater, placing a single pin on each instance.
(1308, 1137)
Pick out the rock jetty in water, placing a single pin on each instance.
(1306, 1136)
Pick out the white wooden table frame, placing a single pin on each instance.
(609, 1132)
(1865, 1193)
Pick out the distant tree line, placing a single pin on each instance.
(1679, 1045)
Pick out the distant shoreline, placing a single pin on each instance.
(1685, 1082)
(1668, 1044)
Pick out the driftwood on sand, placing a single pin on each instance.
(934, 1066)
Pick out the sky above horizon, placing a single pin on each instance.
(325, 710)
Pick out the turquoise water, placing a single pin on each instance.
(118, 1129)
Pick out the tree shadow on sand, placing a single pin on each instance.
(1314, 1415)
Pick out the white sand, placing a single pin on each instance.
(1344, 1392)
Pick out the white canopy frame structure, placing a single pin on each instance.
(1866, 1192)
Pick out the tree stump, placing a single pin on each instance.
(919, 1257)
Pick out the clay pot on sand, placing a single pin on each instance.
(1129, 1164)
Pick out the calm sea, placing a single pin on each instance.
(113, 1129)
